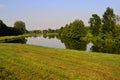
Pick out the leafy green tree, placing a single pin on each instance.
(78, 29)
(109, 22)
(60, 30)
(95, 24)
(45, 31)
(74, 44)
(117, 31)
(117, 28)
(6, 31)
(75, 30)
(65, 30)
(2, 28)
(20, 27)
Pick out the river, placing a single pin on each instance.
(57, 42)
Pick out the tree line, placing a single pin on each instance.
(101, 28)
(17, 29)
(106, 27)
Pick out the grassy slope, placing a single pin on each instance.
(27, 62)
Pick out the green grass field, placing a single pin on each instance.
(28, 62)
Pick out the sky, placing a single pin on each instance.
(44, 14)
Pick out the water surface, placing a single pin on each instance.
(53, 42)
(58, 42)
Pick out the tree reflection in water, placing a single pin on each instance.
(106, 46)
(74, 44)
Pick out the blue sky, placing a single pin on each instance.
(44, 14)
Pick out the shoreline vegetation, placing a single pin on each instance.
(11, 38)
(20, 61)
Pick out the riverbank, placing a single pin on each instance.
(11, 38)
(28, 62)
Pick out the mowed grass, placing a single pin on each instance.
(28, 62)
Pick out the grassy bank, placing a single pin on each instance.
(11, 38)
(28, 62)
(51, 34)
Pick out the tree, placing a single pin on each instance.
(3, 29)
(6, 31)
(60, 30)
(95, 24)
(75, 30)
(74, 44)
(109, 22)
(78, 29)
(65, 30)
(20, 27)
(117, 31)
(45, 31)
